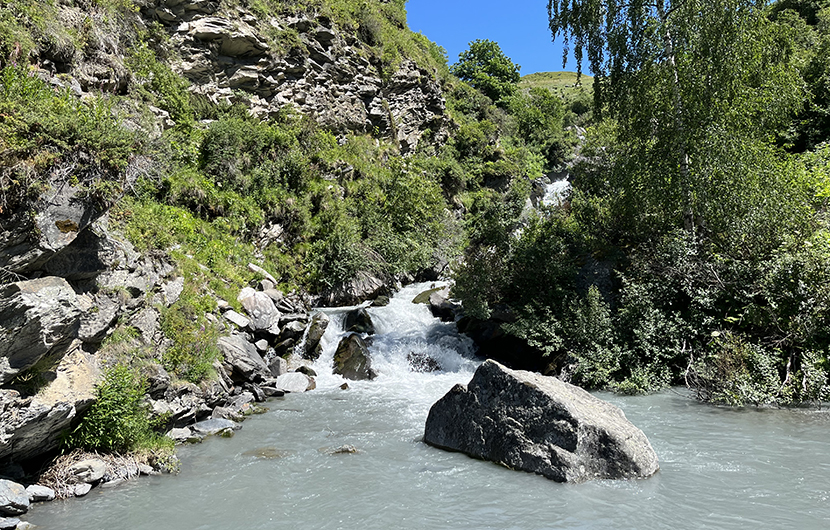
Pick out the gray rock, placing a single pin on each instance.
(227, 413)
(243, 358)
(295, 382)
(98, 317)
(540, 424)
(261, 310)
(278, 366)
(38, 493)
(293, 330)
(13, 498)
(158, 380)
(261, 345)
(441, 307)
(359, 321)
(172, 290)
(9, 523)
(32, 426)
(214, 426)
(81, 490)
(180, 435)
(38, 318)
(146, 470)
(240, 320)
(88, 471)
(312, 348)
(351, 360)
(307, 370)
(147, 323)
(285, 348)
(365, 286)
(60, 216)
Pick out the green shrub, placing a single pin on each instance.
(118, 420)
(41, 126)
(194, 338)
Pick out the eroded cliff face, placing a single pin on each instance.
(225, 52)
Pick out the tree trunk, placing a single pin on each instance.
(683, 154)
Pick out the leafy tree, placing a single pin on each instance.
(692, 85)
(488, 69)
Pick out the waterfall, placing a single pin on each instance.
(402, 330)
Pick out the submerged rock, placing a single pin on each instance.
(422, 362)
(540, 424)
(351, 360)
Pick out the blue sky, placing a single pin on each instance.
(519, 26)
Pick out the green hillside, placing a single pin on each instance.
(557, 80)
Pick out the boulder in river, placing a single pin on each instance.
(540, 424)
(422, 362)
(295, 382)
(351, 360)
(359, 321)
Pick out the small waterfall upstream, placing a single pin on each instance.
(401, 329)
(720, 468)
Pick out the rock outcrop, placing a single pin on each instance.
(539, 424)
(327, 72)
(316, 329)
(38, 318)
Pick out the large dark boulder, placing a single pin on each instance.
(359, 321)
(364, 286)
(351, 360)
(540, 424)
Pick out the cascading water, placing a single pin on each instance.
(403, 330)
(557, 192)
(720, 468)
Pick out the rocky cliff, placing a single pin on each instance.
(70, 281)
(228, 53)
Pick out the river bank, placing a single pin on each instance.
(720, 467)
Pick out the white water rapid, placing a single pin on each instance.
(720, 468)
(556, 193)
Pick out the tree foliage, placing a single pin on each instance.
(488, 69)
(693, 85)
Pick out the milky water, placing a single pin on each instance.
(557, 192)
(720, 468)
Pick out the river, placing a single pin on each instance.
(721, 468)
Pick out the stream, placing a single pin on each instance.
(721, 468)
